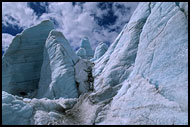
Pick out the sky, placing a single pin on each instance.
(99, 21)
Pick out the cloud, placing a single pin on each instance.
(75, 20)
(18, 13)
(78, 21)
(6, 40)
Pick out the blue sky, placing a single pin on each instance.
(99, 21)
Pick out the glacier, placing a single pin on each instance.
(100, 50)
(21, 63)
(85, 44)
(140, 79)
(57, 72)
(81, 52)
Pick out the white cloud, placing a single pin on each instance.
(75, 22)
(6, 40)
(23, 15)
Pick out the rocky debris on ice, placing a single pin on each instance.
(86, 45)
(81, 52)
(83, 113)
(100, 50)
(47, 112)
(22, 61)
(83, 76)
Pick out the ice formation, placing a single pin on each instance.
(57, 72)
(22, 61)
(81, 52)
(100, 50)
(141, 79)
(86, 45)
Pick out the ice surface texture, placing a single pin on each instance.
(100, 50)
(86, 45)
(57, 73)
(82, 53)
(22, 61)
(142, 78)
(154, 47)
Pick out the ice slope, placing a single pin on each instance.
(63, 73)
(117, 63)
(155, 88)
